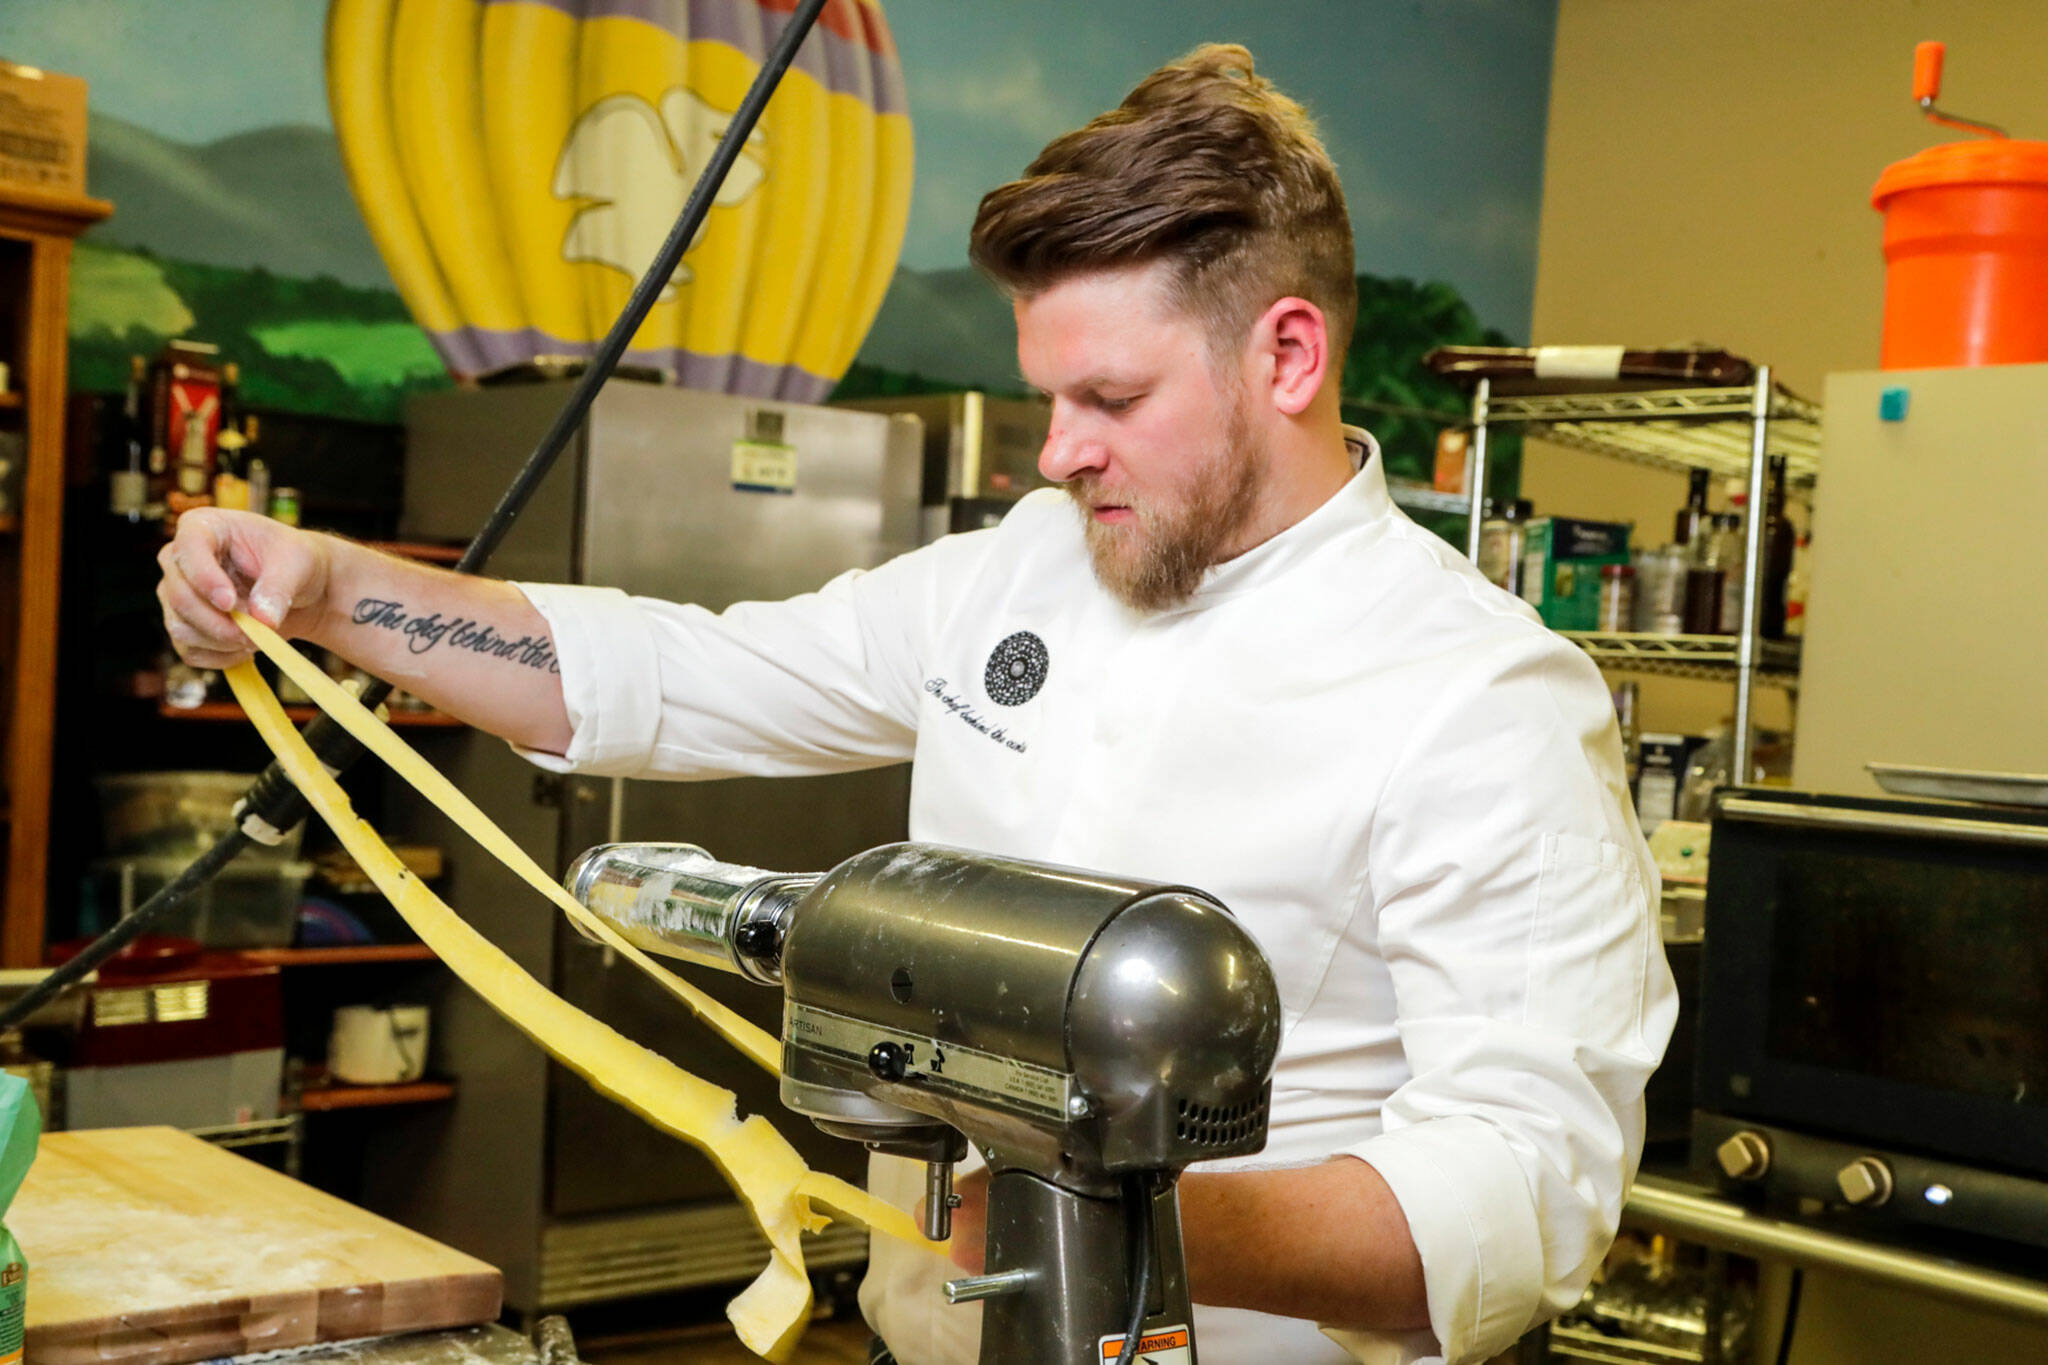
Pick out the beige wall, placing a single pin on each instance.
(1707, 178)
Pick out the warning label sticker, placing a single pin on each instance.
(1165, 1346)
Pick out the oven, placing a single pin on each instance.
(1873, 1029)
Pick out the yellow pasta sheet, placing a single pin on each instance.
(764, 1170)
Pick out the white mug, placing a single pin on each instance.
(374, 1045)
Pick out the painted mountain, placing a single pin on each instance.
(254, 243)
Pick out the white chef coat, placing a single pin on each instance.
(1407, 789)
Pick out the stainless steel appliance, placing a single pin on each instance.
(980, 453)
(1874, 1009)
(1092, 1035)
(692, 497)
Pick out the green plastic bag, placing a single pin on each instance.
(21, 1124)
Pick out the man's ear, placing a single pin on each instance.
(1295, 340)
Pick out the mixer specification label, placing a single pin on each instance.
(1162, 1346)
(934, 1065)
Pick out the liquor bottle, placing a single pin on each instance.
(128, 486)
(1693, 515)
(1704, 579)
(1780, 541)
(1733, 553)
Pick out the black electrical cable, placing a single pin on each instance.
(273, 801)
(1791, 1316)
(1138, 1195)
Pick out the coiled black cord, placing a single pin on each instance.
(273, 801)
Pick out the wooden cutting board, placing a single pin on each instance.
(148, 1246)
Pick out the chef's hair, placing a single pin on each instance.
(1205, 166)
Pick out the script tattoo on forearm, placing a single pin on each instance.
(422, 633)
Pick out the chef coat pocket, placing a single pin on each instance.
(1589, 949)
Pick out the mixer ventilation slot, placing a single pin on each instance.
(1208, 1125)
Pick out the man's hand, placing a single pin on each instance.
(221, 560)
(471, 646)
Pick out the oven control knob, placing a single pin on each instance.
(1746, 1156)
(1866, 1182)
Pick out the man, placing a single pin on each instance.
(1222, 658)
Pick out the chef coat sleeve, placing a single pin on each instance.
(1516, 906)
(824, 682)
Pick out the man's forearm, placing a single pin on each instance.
(1327, 1242)
(473, 647)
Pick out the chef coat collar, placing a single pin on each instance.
(1361, 503)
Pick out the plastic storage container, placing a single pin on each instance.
(1965, 243)
(1966, 255)
(179, 813)
(250, 903)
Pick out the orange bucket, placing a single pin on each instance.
(1966, 255)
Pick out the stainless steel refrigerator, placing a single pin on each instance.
(693, 497)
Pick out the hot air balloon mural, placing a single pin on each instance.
(519, 162)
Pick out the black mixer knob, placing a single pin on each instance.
(889, 1061)
(757, 939)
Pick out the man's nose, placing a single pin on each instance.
(1069, 453)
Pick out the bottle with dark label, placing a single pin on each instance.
(1704, 580)
(1780, 541)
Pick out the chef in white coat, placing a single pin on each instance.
(1216, 655)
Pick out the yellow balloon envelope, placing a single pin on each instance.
(520, 162)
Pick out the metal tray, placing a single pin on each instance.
(1953, 784)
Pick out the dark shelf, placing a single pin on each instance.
(335, 957)
(321, 1099)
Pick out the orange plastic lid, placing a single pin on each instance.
(1981, 161)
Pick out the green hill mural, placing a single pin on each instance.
(317, 328)
(305, 345)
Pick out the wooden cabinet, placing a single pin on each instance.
(36, 232)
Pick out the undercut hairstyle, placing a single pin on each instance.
(1205, 166)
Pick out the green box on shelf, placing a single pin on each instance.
(1561, 563)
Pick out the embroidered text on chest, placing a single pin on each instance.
(964, 711)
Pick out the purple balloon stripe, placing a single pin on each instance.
(492, 350)
(846, 63)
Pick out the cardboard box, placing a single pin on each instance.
(1561, 563)
(42, 130)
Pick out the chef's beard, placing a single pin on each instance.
(1156, 560)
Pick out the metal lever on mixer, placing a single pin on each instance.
(978, 1287)
(939, 1200)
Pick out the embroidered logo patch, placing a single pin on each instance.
(1016, 669)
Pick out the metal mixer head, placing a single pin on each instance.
(1073, 1024)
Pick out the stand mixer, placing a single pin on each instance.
(1092, 1035)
